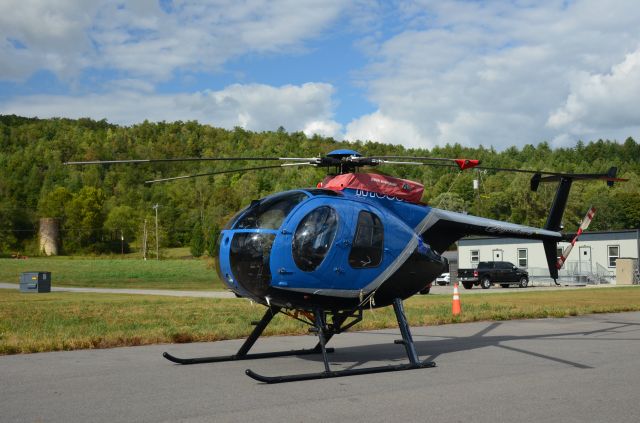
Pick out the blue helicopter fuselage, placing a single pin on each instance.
(333, 249)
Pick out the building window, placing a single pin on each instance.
(475, 258)
(613, 252)
(522, 257)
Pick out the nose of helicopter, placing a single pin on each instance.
(245, 248)
(247, 267)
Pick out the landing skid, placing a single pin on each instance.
(237, 357)
(321, 329)
(325, 332)
(337, 373)
(242, 353)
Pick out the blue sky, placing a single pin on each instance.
(418, 73)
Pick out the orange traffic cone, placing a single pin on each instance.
(455, 309)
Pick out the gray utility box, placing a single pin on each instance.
(35, 282)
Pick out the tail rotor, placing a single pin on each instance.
(583, 227)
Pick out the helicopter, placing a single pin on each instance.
(323, 255)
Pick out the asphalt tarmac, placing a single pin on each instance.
(582, 369)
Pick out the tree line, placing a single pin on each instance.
(101, 209)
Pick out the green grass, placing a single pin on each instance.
(67, 321)
(165, 253)
(193, 274)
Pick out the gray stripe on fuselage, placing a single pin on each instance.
(343, 293)
(429, 220)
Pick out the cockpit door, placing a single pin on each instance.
(306, 254)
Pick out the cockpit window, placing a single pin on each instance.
(234, 219)
(313, 238)
(368, 242)
(271, 212)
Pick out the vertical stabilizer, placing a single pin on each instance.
(554, 221)
(551, 253)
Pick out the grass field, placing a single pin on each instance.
(67, 321)
(194, 274)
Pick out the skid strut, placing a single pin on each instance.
(324, 335)
(242, 353)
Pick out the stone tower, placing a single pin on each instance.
(49, 236)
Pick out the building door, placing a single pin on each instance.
(585, 259)
(497, 255)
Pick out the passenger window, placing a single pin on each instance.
(313, 238)
(368, 242)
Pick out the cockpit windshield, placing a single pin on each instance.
(271, 212)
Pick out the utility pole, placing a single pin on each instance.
(476, 188)
(155, 207)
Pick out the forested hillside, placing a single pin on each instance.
(99, 205)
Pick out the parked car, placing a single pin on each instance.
(489, 272)
(443, 279)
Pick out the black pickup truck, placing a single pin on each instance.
(489, 272)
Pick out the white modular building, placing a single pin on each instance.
(592, 260)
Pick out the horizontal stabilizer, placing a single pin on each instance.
(610, 176)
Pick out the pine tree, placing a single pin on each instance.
(212, 241)
(197, 241)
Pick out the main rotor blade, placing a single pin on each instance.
(538, 175)
(555, 176)
(226, 171)
(414, 158)
(392, 162)
(461, 163)
(182, 159)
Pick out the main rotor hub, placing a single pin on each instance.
(347, 161)
(339, 154)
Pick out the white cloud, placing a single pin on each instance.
(492, 73)
(41, 34)
(142, 39)
(602, 100)
(325, 128)
(306, 107)
(382, 128)
(137, 44)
